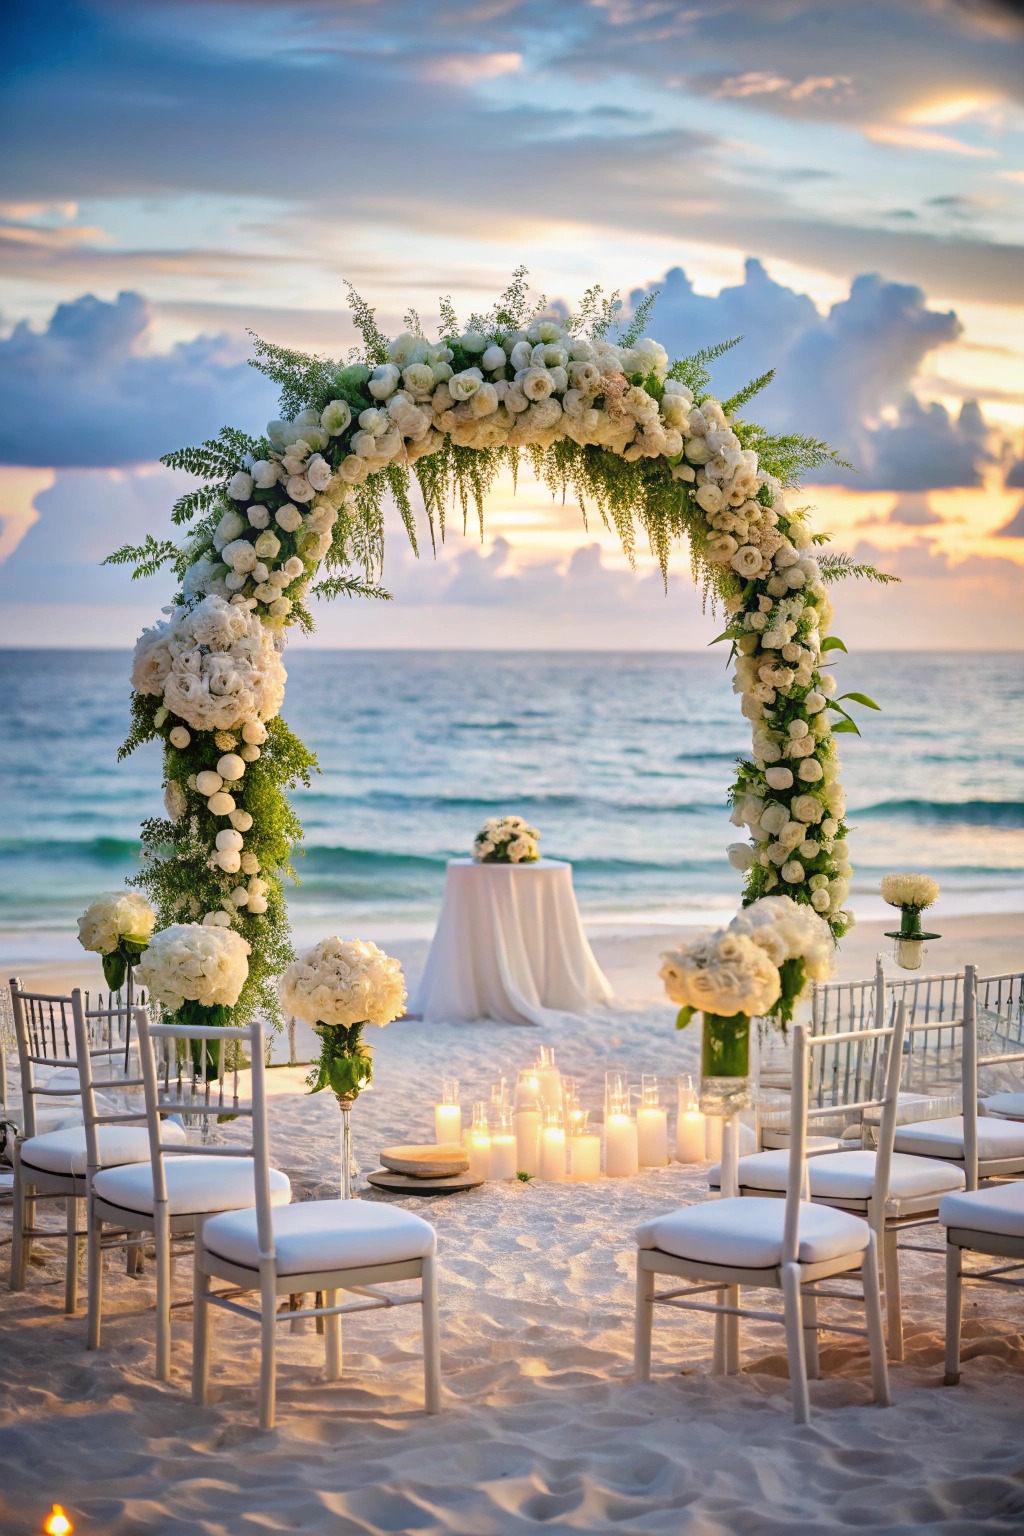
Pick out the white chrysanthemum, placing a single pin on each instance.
(909, 890)
(190, 961)
(346, 982)
(113, 916)
(722, 973)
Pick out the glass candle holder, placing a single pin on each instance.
(689, 1124)
(651, 1126)
(552, 1145)
(549, 1079)
(478, 1143)
(527, 1122)
(616, 1087)
(448, 1114)
(499, 1093)
(527, 1090)
(504, 1149)
(584, 1148)
(621, 1151)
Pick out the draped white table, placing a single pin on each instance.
(509, 945)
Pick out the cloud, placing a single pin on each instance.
(82, 392)
(1014, 529)
(837, 375)
(910, 511)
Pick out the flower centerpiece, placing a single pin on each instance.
(796, 940)
(117, 926)
(196, 971)
(912, 894)
(338, 987)
(730, 979)
(506, 840)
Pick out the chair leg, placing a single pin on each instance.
(893, 1298)
(268, 1348)
(954, 1296)
(431, 1337)
(795, 1343)
(296, 1303)
(810, 1314)
(133, 1261)
(200, 1321)
(20, 1244)
(71, 1261)
(876, 1328)
(719, 1352)
(644, 1324)
(95, 1267)
(332, 1337)
(732, 1333)
(162, 1238)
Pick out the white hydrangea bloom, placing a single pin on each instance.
(190, 961)
(722, 973)
(343, 981)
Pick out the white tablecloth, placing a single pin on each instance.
(509, 945)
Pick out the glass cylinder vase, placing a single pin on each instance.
(725, 1084)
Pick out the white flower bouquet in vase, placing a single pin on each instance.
(506, 840)
(196, 971)
(912, 894)
(338, 987)
(117, 926)
(729, 979)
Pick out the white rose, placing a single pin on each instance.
(746, 561)
(229, 838)
(293, 567)
(384, 381)
(814, 702)
(221, 804)
(793, 871)
(179, 737)
(353, 470)
(740, 855)
(318, 472)
(258, 516)
(463, 386)
(821, 901)
(335, 417)
(229, 767)
(280, 607)
(473, 342)
(241, 820)
(266, 473)
(493, 358)
(239, 555)
(778, 778)
(228, 859)
(521, 354)
(299, 488)
(240, 486)
(208, 782)
(420, 377)
(536, 383)
(229, 527)
(810, 770)
(175, 801)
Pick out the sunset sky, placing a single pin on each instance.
(841, 183)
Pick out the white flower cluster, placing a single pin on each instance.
(789, 930)
(722, 973)
(188, 961)
(506, 840)
(113, 916)
(216, 666)
(916, 891)
(344, 981)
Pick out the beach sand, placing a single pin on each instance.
(542, 1427)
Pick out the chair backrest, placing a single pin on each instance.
(160, 1104)
(85, 1053)
(44, 1027)
(890, 1112)
(1000, 1029)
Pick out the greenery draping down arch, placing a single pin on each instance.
(601, 414)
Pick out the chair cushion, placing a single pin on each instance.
(747, 1232)
(945, 1138)
(316, 1236)
(1009, 1104)
(852, 1174)
(194, 1184)
(65, 1151)
(999, 1209)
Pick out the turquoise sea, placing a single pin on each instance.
(621, 760)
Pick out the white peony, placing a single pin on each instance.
(343, 982)
(240, 486)
(723, 973)
(113, 916)
(151, 661)
(188, 961)
(335, 417)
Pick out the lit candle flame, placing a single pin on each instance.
(57, 1523)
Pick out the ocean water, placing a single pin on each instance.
(621, 760)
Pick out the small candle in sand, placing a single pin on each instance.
(448, 1114)
(651, 1126)
(584, 1148)
(552, 1146)
(621, 1152)
(478, 1143)
(689, 1125)
(504, 1150)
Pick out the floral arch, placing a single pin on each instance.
(299, 512)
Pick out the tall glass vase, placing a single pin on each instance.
(725, 1083)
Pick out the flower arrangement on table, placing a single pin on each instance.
(117, 925)
(911, 894)
(338, 987)
(506, 840)
(757, 967)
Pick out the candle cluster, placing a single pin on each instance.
(541, 1131)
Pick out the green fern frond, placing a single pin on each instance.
(351, 586)
(737, 401)
(637, 324)
(148, 557)
(836, 567)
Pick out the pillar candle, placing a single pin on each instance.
(620, 1146)
(527, 1136)
(549, 1086)
(690, 1137)
(478, 1148)
(448, 1123)
(527, 1094)
(652, 1136)
(585, 1157)
(713, 1138)
(552, 1152)
(504, 1156)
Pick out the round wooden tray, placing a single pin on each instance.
(402, 1184)
(429, 1160)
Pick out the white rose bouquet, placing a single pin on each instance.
(729, 978)
(117, 925)
(196, 971)
(338, 987)
(795, 939)
(911, 894)
(506, 840)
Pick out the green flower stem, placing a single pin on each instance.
(344, 1064)
(910, 923)
(725, 1045)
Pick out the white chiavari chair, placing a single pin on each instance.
(51, 1164)
(986, 1221)
(319, 1246)
(176, 1184)
(1001, 1045)
(790, 1246)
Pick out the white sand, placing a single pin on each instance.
(542, 1427)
